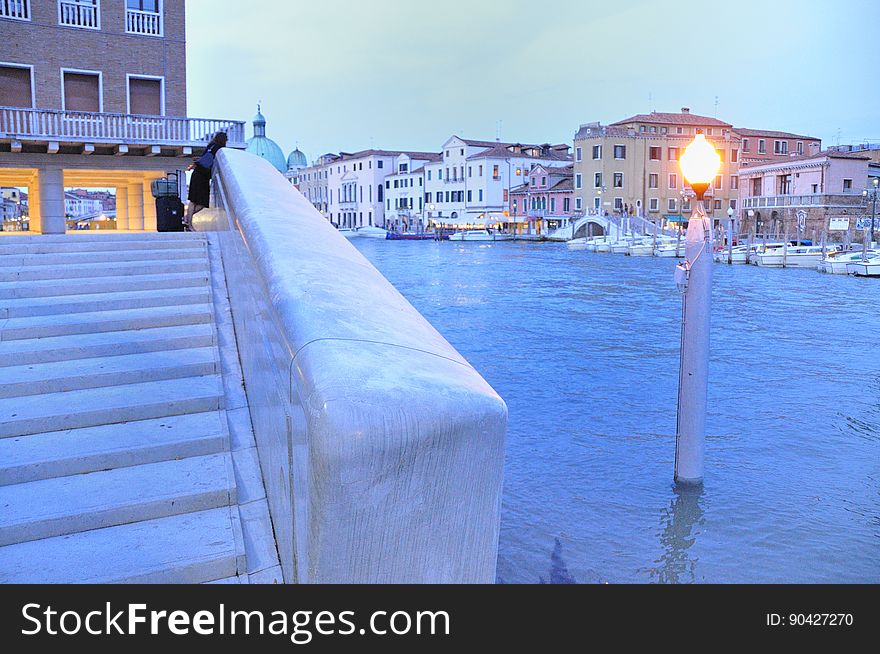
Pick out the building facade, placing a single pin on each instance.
(631, 167)
(93, 95)
(470, 185)
(808, 195)
(405, 193)
(545, 201)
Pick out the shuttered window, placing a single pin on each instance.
(82, 92)
(15, 87)
(145, 97)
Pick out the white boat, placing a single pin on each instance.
(669, 250)
(480, 235)
(804, 256)
(836, 262)
(371, 232)
(640, 250)
(869, 268)
(622, 245)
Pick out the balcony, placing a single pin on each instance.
(454, 180)
(79, 14)
(37, 128)
(15, 9)
(852, 199)
(145, 23)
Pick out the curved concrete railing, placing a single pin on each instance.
(381, 447)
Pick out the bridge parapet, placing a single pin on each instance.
(381, 446)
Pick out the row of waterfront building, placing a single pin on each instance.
(774, 181)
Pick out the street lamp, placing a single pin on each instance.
(873, 194)
(730, 214)
(699, 164)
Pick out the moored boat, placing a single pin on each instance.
(836, 262)
(790, 257)
(869, 268)
(480, 235)
(372, 232)
(408, 236)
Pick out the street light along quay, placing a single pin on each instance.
(699, 165)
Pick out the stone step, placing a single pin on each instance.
(69, 505)
(14, 247)
(184, 549)
(66, 258)
(106, 406)
(71, 238)
(80, 451)
(93, 302)
(72, 274)
(51, 288)
(104, 321)
(74, 375)
(88, 346)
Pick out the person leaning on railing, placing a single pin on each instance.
(200, 181)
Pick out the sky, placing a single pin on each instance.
(347, 75)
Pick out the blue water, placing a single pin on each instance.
(584, 349)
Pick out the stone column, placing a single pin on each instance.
(34, 216)
(52, 214)
(149, 207)
(122, 208)
(136, 206)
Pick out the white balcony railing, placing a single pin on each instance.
(146, 23)
(75, 13)
(818, 199)
(15, 9)
(84, 127)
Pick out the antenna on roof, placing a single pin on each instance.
(498, 131)
(838, 136)
(716, 106)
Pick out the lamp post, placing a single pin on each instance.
(730, 214)
(873, 194)
(699, 164)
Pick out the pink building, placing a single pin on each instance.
(818, 193)
(546, 202)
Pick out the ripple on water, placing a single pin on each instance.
(584, 349)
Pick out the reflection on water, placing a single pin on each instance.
(679, 524)
(584, 349)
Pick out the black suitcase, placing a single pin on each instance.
(169, 214)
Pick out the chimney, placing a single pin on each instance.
(685, 110)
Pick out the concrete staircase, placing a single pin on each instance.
(115, 456)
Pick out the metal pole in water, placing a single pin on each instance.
(693, 386)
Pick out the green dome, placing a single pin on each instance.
(264, 147)
(297, 160)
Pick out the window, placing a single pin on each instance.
(471, 171)
(673, 180)
(815, 189)
(552, 205)
(579, 154)
(717, 205)
(780, 147)
(800, 147)
(481, 195)
(618, 204)
(671, 205)
(429, 175)
(757, 187)
(718, 183)
(578, 181)
(146, 96)
(80, 13)
(440, 174)
(578, 204)
(847, 185)
(388, 183)
(653, 180)
(656, 154)
(734, 182)
(544, 182)
(734, 156)
(598, 180)
(673, 154)
(495, 173)
(762, 146)
(654, 203)
(620, 152)
(481, 171)
(403, 168)
(597, 152)
(618, 180)
(597, 203)
(721, 155)
(380, 164)
(745, 145)
(16, 9)
(471, 197)
(566, 205)
(82, 91)
(144, 17)
(16, 85)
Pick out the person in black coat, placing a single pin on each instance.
(200, 181)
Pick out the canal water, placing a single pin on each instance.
(584, 349)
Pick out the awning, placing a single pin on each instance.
(675, 218)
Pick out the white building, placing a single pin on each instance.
(405, 193)
(76, 207)
(470, 185)
(356, 186)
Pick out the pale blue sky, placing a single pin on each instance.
(404, 74)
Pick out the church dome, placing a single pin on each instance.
(297, 160)
(264, 147)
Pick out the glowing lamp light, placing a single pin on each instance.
(700, 164)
